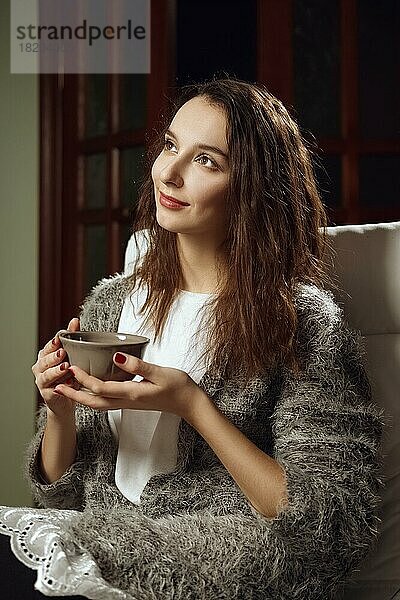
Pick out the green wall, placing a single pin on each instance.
(19, 152)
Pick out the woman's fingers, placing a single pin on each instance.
(74, 324)
(102, 395)
(53, 375)
(51, 368)
(116, 389)
(48, 356)
(108, 389)
(47, 361)
(86, 398)
(51, 346)
(137, 366)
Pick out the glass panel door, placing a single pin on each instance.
(316, 61)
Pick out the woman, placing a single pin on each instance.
(243, 460)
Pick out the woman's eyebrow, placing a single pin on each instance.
(200, 146)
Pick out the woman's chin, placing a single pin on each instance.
(170, 224)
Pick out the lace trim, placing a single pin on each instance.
(41, 541)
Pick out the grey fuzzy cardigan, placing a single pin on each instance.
(195, 535)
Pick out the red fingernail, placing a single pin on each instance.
(120, 358)
(58, 353)
(63, 367)
(54, 342)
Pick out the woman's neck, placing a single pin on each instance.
(198, 263)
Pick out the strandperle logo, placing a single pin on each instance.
(80, 32)
(80, 36)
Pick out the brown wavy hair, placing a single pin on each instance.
(276, 234)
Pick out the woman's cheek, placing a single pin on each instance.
(220, 195)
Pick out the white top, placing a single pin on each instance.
(147, 440)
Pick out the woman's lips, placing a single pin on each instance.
(170, 202)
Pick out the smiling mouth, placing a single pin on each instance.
(174, 200)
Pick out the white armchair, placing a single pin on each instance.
(366, 265)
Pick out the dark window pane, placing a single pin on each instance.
(317, 65)
(379, 68)
(95, 180)
(328, 170)
(380, 180)
(131, 174)
(133, 101)
(215, 37)
(96, 105)
(95, 255)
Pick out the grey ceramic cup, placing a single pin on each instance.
(93, 351)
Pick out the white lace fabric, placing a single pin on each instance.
(40, 541)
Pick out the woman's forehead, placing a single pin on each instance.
(199, 121)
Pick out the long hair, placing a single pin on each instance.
(276, 235)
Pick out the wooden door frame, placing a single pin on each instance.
(275, 69)
(50, 206)
(56, 177)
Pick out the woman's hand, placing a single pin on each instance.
(162, 388)
(49, 369)
(259, 476)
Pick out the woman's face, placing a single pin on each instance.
(189, 172)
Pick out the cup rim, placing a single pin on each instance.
(140, 339)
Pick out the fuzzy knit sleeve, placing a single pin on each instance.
(327, 436)
(68, 491)
(99, 312)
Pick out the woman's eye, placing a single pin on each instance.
(166, 144)
(212, 164)
(204, 156)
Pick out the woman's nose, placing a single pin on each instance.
(171, 173)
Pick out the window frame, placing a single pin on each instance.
(275, 69)
(61, 219)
